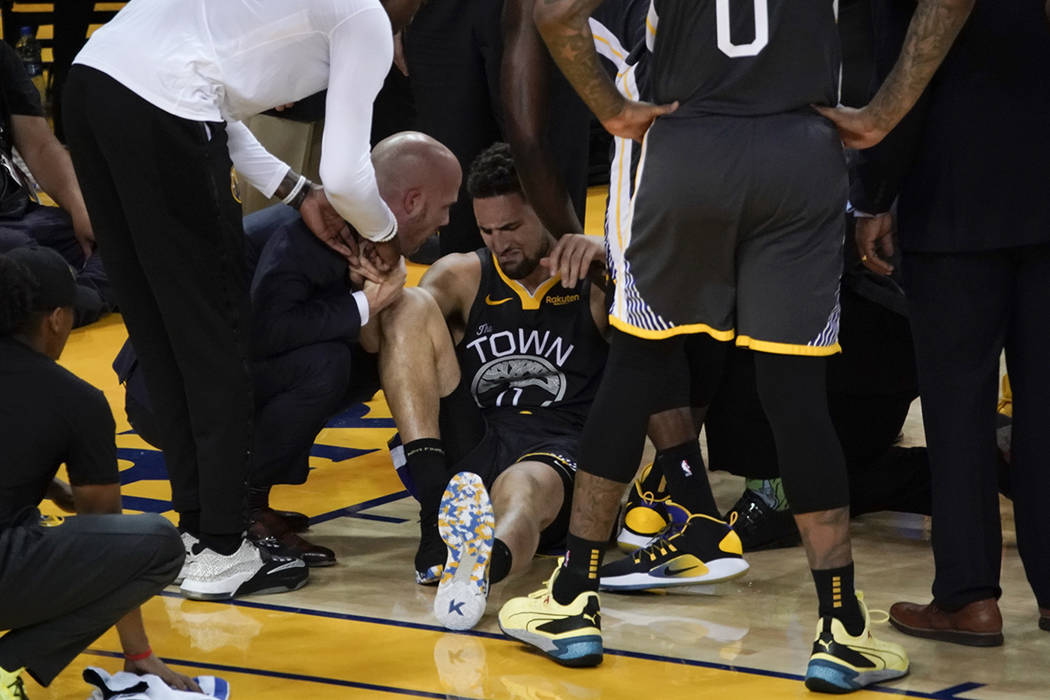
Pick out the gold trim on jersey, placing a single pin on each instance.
(529, 301)
(746, 341)
(687, 329)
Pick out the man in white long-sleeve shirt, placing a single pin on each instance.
(154, 105)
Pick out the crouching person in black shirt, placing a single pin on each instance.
(63, 582)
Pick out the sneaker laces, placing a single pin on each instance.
(875, 611)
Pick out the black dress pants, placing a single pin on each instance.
(965, 309)
(297, 393)
(61, 587)
(871, 386)
(158, 190)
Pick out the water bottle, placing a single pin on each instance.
(28, 49)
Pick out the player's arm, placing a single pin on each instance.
(564, 27)
(931, 32)
(525, 96)
(50, 164)
(453, 283)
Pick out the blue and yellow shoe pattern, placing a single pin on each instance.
(467, 526)
(704, 550)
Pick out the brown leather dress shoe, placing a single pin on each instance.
(978, 624)
(268, 527)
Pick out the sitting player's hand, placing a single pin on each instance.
(635, 119)
(874, 236)
(858, 128)
(572, 257)
(383, 289)
(152, 664)
(325, 222)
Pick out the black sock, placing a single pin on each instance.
(579, 572)
(502, 560)
(686, 474)
(837, 597)
(427, 467)
(223, 544)
(258, 498)
(190, 522)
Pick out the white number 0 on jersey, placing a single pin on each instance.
(725, 41)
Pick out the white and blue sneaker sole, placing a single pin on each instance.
(467, 525)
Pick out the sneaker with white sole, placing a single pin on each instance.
(188, 542)
(249, 570)
(467, 526)
(705, 550)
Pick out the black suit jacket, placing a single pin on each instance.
(969, 163)
(301, 294)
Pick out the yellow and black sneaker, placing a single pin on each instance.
(569, 634)
(11, 687)
(645, 515)
(841, 663)
(705, 550)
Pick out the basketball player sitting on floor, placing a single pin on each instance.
(489, 368)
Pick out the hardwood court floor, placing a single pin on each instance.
(364, 629)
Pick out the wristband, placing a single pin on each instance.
(297, 203)
(139, 657)
(295, 191)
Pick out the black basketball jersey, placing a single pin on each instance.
(745, 57)
(531, 351)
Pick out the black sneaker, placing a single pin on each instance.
(760, 526)
(432, 552)
(706, 550)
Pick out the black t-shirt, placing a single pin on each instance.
(48, 416)
(18, 95)
(745, 58)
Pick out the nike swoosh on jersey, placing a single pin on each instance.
(496, 302)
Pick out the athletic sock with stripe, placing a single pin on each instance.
(837, 597)
(579, 571)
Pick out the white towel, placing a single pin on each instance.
(128, 686)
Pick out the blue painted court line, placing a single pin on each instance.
(378, 518)
(288, 676)
(955, 690)
(612, 652)
(349, 511)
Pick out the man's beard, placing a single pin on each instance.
(527, 266)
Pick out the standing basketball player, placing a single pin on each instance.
(741, 189)
(154, 110)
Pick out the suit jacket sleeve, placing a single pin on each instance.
(878, 172)
(301, 294)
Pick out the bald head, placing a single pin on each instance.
(419, 179)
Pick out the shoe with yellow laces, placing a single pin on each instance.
(569, 634)
(842, 663)
(11, 687)
(705, 550)
(645, 515)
